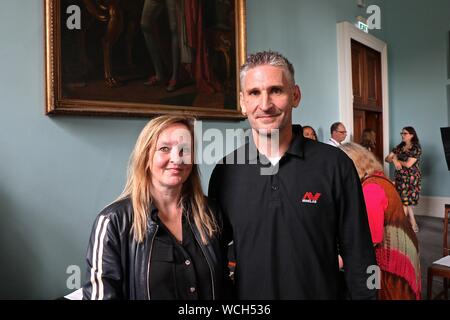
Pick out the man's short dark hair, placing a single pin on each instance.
(335, 126)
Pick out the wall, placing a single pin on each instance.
(57, 173)
(305, 31)
(418, 48)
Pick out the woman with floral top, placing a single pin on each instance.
(406, 159)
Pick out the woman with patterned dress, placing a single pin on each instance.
(395, 242)
(406, 159)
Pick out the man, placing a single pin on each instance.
(287, 226)
(338, 134)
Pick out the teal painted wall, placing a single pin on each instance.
(418, 53)
(305, 31)
(57, 173)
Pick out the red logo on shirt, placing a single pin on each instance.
(310, 198)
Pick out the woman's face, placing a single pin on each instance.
(309, 133)
(406, 136)
(173, 157)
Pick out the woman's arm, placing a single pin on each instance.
(397, 164)
(390, 157)
(408, 163)
(104, 272)
(376, 202)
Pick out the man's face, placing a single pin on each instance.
(340, 134)
(267, 98)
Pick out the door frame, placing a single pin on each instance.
(345, 33)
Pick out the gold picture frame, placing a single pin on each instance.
(98, 60)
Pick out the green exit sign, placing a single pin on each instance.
(362, 26)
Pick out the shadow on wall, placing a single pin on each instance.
(17, 277)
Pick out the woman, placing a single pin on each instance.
(309, 132)
(395, 242)
(368, 139)
(406, 159)
(160, 239)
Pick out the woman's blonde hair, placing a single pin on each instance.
(364, 160)
(138, 185)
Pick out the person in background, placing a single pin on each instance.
(396, 245)
(160, 239)
(406, 159)
(369, 139)
(338, 134)
(309, 132)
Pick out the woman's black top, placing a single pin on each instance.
(178, 270)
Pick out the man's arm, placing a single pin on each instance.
(213, 187)
(226, 232)
(215, 193)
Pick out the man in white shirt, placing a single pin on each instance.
(338, 134)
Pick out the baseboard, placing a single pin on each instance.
(431, 206)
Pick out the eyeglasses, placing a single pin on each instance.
(404, 133)
(343, 132)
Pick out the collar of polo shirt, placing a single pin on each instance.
(296, 147)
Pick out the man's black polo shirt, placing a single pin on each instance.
(287, 226)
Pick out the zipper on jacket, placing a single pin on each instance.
(207, 260)
(149, 259)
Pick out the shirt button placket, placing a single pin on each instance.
(275, 186)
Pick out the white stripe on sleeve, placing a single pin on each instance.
(94, 257)
(100, 261)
